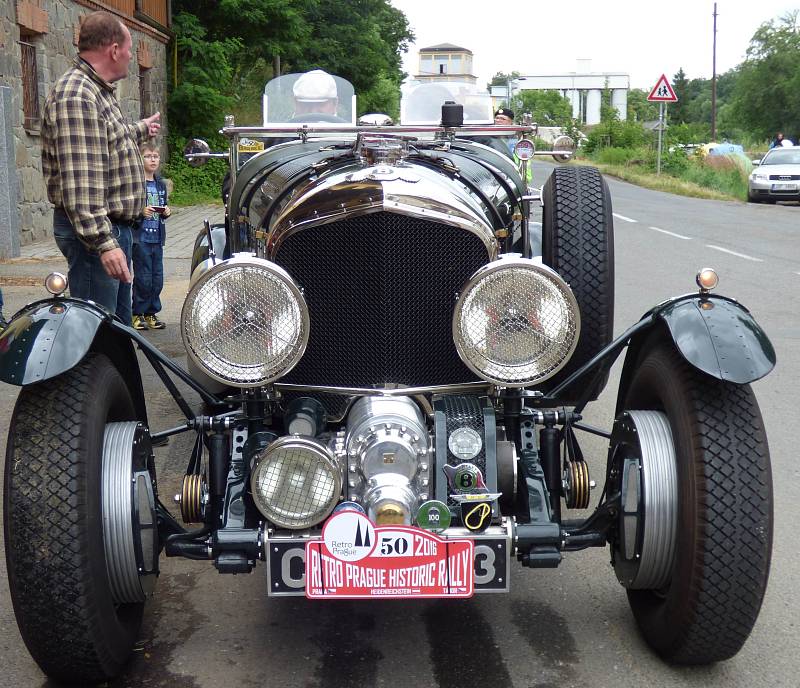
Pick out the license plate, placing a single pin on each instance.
(287, 566)
(784, 187)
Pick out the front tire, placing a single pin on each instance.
(723, 532)
(53, 519)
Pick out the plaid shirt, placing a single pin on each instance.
(90, 156)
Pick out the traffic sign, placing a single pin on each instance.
(662, 92)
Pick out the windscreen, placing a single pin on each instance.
(421, 102)
(307, 98)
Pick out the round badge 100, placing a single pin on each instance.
(349, 536)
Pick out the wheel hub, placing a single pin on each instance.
(646, 476)
(130, 533)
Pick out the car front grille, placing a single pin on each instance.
(381, 289)
(784, 177)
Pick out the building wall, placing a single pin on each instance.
(55, 51)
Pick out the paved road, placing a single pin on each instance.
(568, 627)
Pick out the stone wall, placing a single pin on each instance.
(55, 51)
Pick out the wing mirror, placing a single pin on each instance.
(757, 161)
(198, 151)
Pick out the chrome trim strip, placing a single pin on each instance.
(386, 391)
(321, 127)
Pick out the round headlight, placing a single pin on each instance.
(296, 482)
(245, 322)
(516, 322)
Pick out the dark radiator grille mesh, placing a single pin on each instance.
(381, 289)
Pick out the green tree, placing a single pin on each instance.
(766, 94)
(362, 41)
(196, 105)
(639, 108)
(679, 112)
(549, 108)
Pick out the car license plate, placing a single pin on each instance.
(293, 561)
(784, 187)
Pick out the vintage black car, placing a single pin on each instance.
(392, 362)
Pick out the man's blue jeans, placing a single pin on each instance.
(148, 264)
(87, 278)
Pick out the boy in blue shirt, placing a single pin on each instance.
(148, 243)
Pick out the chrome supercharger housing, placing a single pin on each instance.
(387, 445)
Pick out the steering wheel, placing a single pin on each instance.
(312, 117)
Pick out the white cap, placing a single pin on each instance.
(315, 87)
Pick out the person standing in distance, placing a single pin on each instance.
(92, 166)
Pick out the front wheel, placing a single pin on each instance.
(79, 514)
(693, 544)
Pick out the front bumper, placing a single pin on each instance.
(770, 189)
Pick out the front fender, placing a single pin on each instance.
(47, 338)
(714, 334)
(720, 337)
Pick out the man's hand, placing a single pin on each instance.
(153, 125)
(116, 265)
(148, 212)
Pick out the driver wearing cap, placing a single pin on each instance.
(504, 116)
(315, 92)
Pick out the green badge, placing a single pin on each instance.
(433, 515)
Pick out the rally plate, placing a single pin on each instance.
(286, 564)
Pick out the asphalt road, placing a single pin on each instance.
(567, 627)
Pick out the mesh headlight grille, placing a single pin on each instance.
(516, 323)
(245, 322)
(296, 482)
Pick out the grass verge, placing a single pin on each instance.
(663, 182)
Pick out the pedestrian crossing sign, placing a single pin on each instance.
(662, 92)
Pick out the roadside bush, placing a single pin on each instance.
(675, 162)
(194, 185)
(616, 134)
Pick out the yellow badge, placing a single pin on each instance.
(250, 146)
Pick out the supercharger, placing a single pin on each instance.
(388, 448)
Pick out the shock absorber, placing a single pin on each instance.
(550, 460)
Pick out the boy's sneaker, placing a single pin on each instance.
(153, 322)
(139, 322)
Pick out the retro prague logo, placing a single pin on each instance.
(349, 536)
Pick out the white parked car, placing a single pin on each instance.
(776, 176)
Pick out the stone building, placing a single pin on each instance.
(445, 62)
(38, 40)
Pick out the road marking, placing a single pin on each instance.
(622, 217)
(672, 234)
(733, 253)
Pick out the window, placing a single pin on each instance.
(426, 64)
(30, 87)
(145, 94)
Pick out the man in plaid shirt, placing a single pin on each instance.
(92, 166)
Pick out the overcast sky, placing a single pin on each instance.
(643, 38)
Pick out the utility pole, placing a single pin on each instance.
(714, 80)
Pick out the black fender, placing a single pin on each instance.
(219, 241)
(715, 334)
(47, 338)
